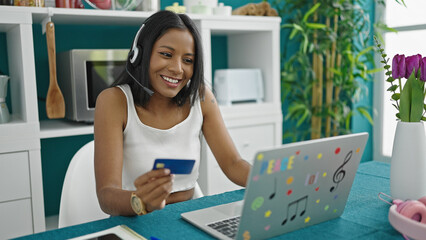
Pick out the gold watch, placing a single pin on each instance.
(137, 205)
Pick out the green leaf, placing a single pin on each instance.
(287, 25)
(293, 33)
(405, 101)
(395, 106)
(305, 43)
(364, 112)
(348, 120)
(364, 51)
(302, 119)
(386, 67)
(310, 12)
(375, 70)
(298, 27)
(423, 118)
(390, 79)
(402, 1)
(396, 96)
(392, 88)
(416, 99)
(336, 71)
(315, 25)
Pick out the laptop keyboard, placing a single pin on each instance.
(228, 227)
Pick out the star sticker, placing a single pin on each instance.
(318, 201)
(326, 207)
(268, 213)
(307, 219)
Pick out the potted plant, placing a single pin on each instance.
(406, 78)
(328, 51)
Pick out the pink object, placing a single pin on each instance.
(102, 4)
(422, 200)
(405, 225)
(412, 209)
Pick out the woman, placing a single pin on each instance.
(158, 109)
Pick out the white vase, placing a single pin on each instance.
(408, 162)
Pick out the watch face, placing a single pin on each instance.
(136, 204)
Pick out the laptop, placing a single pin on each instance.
(290, 187)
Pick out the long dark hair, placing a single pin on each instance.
(154, 27)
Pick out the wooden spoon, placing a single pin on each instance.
(55, 104)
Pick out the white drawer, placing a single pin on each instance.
(248, 140)
(15, 219)
(14, 176)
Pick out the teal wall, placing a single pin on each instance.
(57, 152)
(359, 123)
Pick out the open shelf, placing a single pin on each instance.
(63, 128)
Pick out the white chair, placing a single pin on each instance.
(197, 191)
(79, 203)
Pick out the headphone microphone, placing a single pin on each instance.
(147, 90)
(134, 59)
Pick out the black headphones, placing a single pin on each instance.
(135, 58)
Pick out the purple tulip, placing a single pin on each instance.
(423, 69)
(412, 63)
(398, 66)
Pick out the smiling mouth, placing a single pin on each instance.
(170, 80)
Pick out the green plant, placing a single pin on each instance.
(408, 97)
(320, 77)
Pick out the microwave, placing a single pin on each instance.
(83, 74)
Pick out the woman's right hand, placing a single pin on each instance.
(154, 187)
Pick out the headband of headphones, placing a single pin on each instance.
(134, 53)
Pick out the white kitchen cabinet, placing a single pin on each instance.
(252, 42)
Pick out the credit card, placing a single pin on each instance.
(176, 166)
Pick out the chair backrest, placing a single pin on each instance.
(79, 203)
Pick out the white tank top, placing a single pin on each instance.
(142, 144)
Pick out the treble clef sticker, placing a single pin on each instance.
(340, 173)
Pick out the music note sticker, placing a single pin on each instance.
(275, 189)
(340, 173)
(293, 209)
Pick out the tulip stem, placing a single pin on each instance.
(400, 88)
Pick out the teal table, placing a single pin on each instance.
(365, 216)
